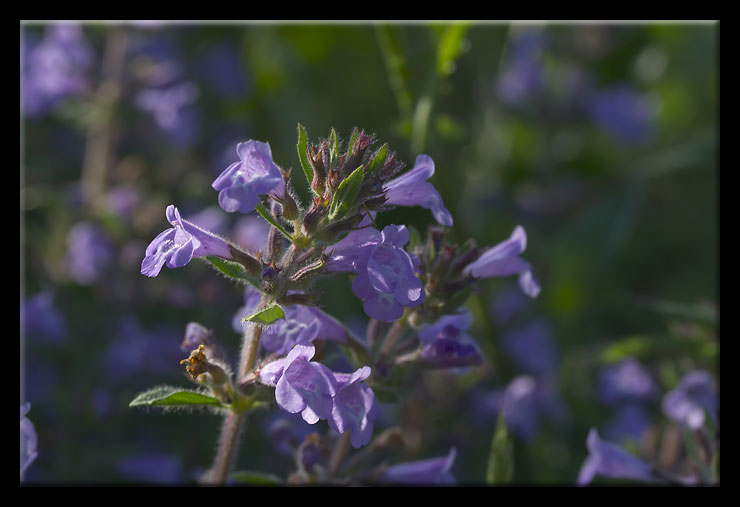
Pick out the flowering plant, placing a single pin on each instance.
(412, 288)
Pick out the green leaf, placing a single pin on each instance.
(450, 47)
(265, 213)
(255, 478)
(333, 146)
(414, 238)
(346, 195)
(352, 140)
(266, 316)
(229, 268)
(173, 396)
(501, 456)
(303, 154)
(378, 159)
(643, 346)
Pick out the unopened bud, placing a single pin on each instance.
(251, 265)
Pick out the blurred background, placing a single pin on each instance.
(600, 140)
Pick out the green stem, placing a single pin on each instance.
(227, 447)
(272, 220)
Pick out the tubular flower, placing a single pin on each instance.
(610, 460)
(413, 189)
(255, 174)
(354, 407)
(503, 260)
(178, 245)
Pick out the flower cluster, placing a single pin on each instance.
(413, 291)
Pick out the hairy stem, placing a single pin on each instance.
(338, 454)
(227, 447)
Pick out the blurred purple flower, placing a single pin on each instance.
(446, 343)
(123, 201)
(250, 232)
(386, 274)
(151, 468)
(507, 304)
(301, 326)
(503, 260)
(241, 184)
(286, 431)
(532, 348)
(135, 350)
(29, 440)
(41, 319)
(430, 471)
(686, 403)
(523, 75)
(413, 189)
(223, 69)
(622, 112)
(195, 335)
(211, 219)
(89, 252)
(609, 460)
(354, 407)
(55, 68)
(178, 245)
(301, 385)
(629, 423)
(626, 381)
(172, 110)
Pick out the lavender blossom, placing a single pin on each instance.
(172, 110)
(503, 260)
(523, 76)
(430, 471)
(386, 274)
(627, 381)
(621, 112)
(301, 385)
(241, 184)
(29, 440)
(610, 460)
(412, 189)
(41, 319)
(447, 345)
(695, 394)
(286, 431)
(89, 252)
(629, 423)
(301, 326)
(354, 407)
(55, 69)
(250, 232)
(224, 70)
(178, 245)
(532, 348)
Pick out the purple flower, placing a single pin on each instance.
(386, 274)
(241, 184)
(686, 403)
(622, 112)
(223, 69)
(250, 232)
(286, 431)
(447, 345)
(507, 304)
(178, 245)
(301, 326)
(413, 189)
(172, 111)
(430, 471)
(503, 260)
(29, 440)
(42, 319)
(89, 252)
(55, 68)
(627, 381)
(610, 460)
(195, 334)
(354, 407)
(301, 385)
(523, 76)
(123, 201)
(532, 348)
(629, 423)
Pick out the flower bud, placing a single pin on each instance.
(251, 265)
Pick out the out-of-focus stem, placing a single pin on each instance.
(392, 337)
(339, 453)
(100, 131)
